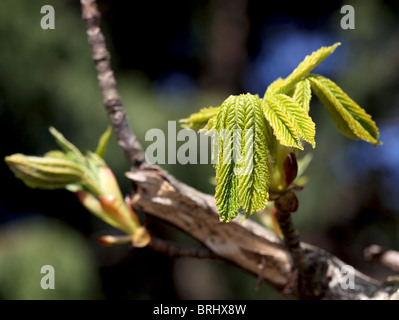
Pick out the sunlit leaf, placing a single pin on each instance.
(304, 68)
(281, 121)
(350, 118)
(303, 94)
(199, 119)
(103, 142)
(253, 182)
(226, 193)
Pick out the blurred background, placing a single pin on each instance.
(170, 59)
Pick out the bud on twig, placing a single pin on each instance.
(44, 172)
(90, 178)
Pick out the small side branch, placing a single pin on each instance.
(308, 267)
(245, 244)
(385, 257)
(112, 101)
(291, 235)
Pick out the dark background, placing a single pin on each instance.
(170, 59)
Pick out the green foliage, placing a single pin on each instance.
(242, 168)
(199, 119)
(57, 169)
(289, 121)
(304, 68)
(278, 124)
(303, 94)
(86, 175)
(103, 142)
(350, 119)
(45, 172)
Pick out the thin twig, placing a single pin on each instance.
(111, 98)
(291, 235)
(174, 250)
(386, 257)
(243, 244)
(308, 268)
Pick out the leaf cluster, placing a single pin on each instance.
(249, 132)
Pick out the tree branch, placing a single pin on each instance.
(291, 235)
(307, 267)
(245, 244)
(174, 250)
(112, 101)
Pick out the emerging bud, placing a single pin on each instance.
(90, 178)
(288, 202)
(109, 241)
(45, 172)
(141, 238)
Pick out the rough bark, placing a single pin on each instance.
(111, 98)
(246, 244)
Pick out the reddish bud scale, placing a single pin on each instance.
(290, 168)
(110, 204)
(105, 241)
(81, 195)
(109, 240)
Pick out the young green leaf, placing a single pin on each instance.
(304, 68)
(210, 126)
(304, 124)
(242, 175)
(226, 193)
(45, 172)
(103, 142)
(67, 146)
(253, 182)
(281, 121)
(350, 118)
(199, 119)
(303, 94)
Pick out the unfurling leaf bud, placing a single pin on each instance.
(90, 178)
(45, 172)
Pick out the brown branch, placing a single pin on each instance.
(307, 268)
(174, 250)
(245, 244)
(291, 235)
(112, 101)
(385, 257)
